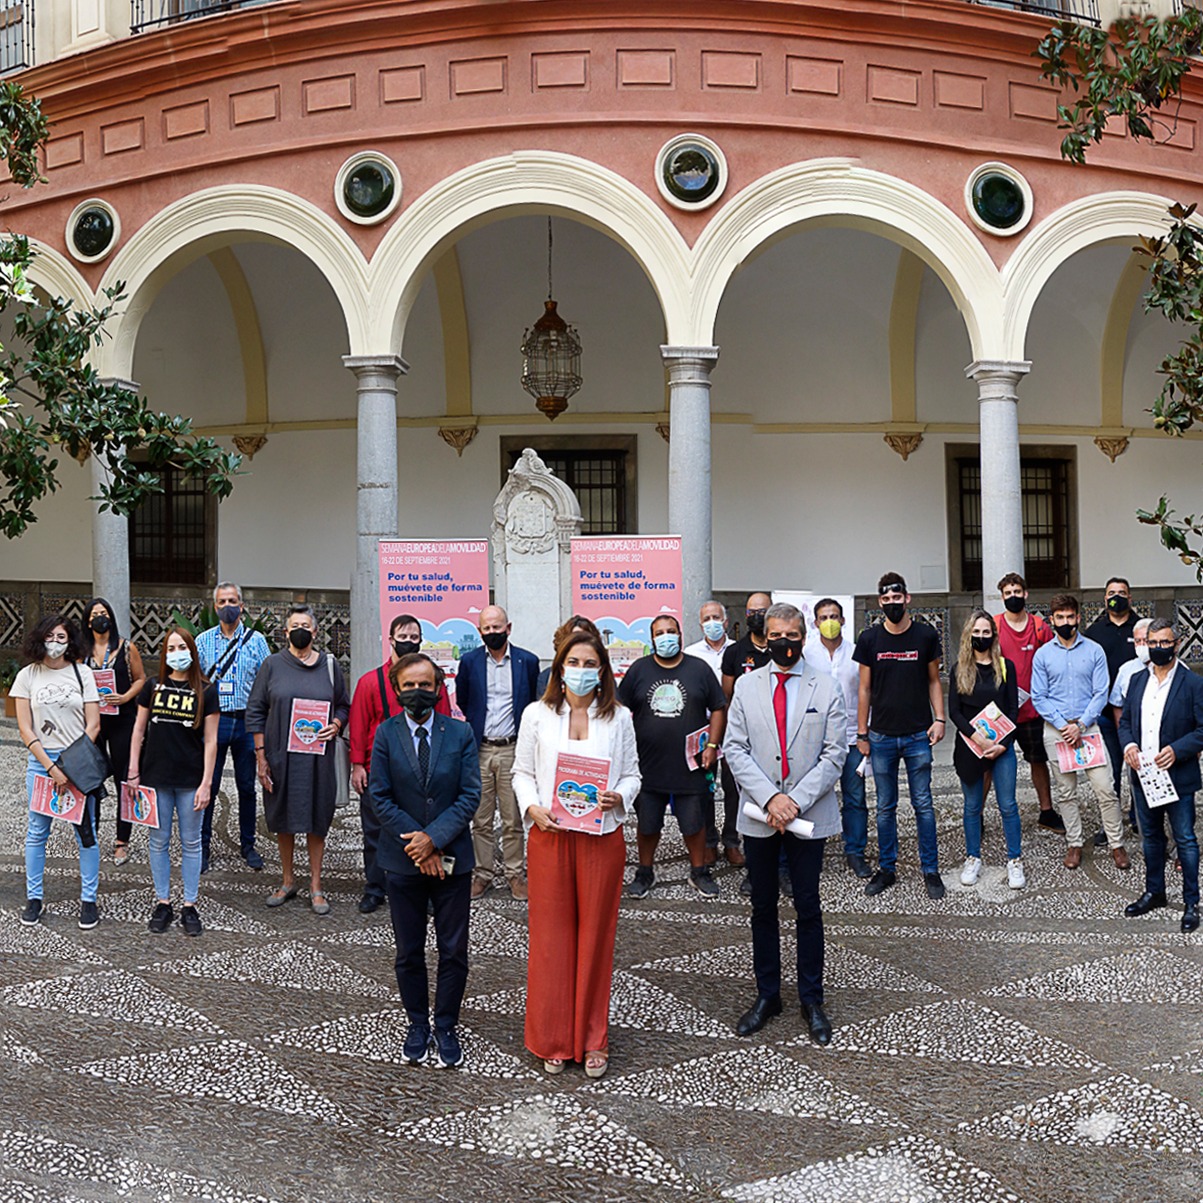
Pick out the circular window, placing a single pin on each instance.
(998, 199)
(92, 230)
(367, 188)
(691, 171)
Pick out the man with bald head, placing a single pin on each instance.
(494, 685)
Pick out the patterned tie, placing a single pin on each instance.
(779, 712)
(423, 754)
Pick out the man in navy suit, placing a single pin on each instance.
(1162, 721)
(425, 787)
(493, 686)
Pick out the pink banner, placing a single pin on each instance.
(623, 583)
(444, 584)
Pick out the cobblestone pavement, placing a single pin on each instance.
(1000, 1045)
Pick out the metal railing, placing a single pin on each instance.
(1084, 11)
(151, 14)
(16, 35)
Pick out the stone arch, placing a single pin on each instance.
(1106, 217)
(214, 218)
(839, 192)
(528, 181)
(54, 272)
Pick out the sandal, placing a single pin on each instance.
(596, 1063)
(281, 895)
(554, 1065)
(317, 900)
(120, 853)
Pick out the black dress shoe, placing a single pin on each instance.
(1190, 918)
(856, 863)
(761, 1011)
(817, 1023)
(882, 880)
(1144, 904)
(369, 903)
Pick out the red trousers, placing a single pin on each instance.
(575, 885)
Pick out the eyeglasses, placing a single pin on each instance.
(1162, 644)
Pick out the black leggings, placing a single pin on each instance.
(116, 732)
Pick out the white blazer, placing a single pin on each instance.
(543, 735)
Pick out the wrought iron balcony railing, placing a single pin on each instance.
(152, 14)
(16, 35)
(1084, 11)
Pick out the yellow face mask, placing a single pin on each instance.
(830, 628)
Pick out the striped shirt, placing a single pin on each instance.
(238, 675)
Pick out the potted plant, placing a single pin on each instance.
(8, 674)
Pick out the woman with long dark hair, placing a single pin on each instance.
(173, 751)
(57, 702)
(575, 877)
(108, 652)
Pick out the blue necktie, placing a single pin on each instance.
(423, 754)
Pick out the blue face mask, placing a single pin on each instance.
(581, 681)
(667, 646)
(179, 661)
(712, 628)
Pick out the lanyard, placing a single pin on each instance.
(233, 651)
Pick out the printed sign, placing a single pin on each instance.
(106, 686)
(304, 723)
(622, 583)
(1089, 754)
(444, 584)
(579, 780)
(139, 804)
(57, 801)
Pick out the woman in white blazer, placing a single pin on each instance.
(575, 876)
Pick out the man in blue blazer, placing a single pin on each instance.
(1162, 721)
(425, 787)
(493, 686)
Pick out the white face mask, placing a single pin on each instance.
(179, 661)
(55, 650)
(1142, 653)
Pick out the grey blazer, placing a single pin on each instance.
(817, 748)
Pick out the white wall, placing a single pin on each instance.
(58, 547)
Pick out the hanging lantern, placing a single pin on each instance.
(551, 355)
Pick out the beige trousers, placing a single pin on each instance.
(1065, 786)
(497, 794)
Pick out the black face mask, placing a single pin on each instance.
(785, 652)
(1163, 657)
(982, 643)
(229, 615)
(418, 703)
(1118, 604)
(1014, 604)
(405, 647)
(300, 638)
(1066, 630)
(895, 612)
(100, 624)
(755, 622)
(495, 640)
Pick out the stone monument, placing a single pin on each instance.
(534, 519)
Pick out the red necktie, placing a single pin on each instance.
(779, 711)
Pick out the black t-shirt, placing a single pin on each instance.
(899, 703)
(743, 656)
(173, 750)
(1117, 639)
(668, 704)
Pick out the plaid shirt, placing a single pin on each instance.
(213, 648)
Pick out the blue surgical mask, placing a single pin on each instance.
(179, 661)
(581, 681)
(667, 646)
(712, 629)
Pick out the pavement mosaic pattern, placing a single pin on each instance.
(1029, 1046)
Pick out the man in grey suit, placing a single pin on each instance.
(786, 744)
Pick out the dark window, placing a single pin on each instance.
(171, 534)
(599, 479)
(1047, 536)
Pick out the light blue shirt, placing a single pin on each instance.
(234, 684)
(1070, 683)
(428, 725)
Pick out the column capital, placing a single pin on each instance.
(999, 369)
(687, 364)
(130, 386)
(386, 368)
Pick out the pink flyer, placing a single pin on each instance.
(1089, 754)
(139, 804)
(579, 780)
(106, 686)
(306, 720)
(57, 801)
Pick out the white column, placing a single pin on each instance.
(1002, 500)
(110, 542)
(376, 496)
(689, 371)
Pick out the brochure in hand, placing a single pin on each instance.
(992, 723)
(106, 686)
(139, 804)
(57, 801)
(575, 803)
(696, 743)
(1156, 784)
(306, 720)
(1089, 754)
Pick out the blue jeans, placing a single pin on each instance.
(177, 802)
(232, 737)
(1181, 815)
(915, 751)
(1004, 770)
(38, 832)
(853, 812)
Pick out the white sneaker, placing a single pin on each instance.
(971, 870)
(1015, 877)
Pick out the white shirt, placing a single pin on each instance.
(499, 699)
(704, 651)
(840, 665)
(1152, 708)
(1123, 680)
